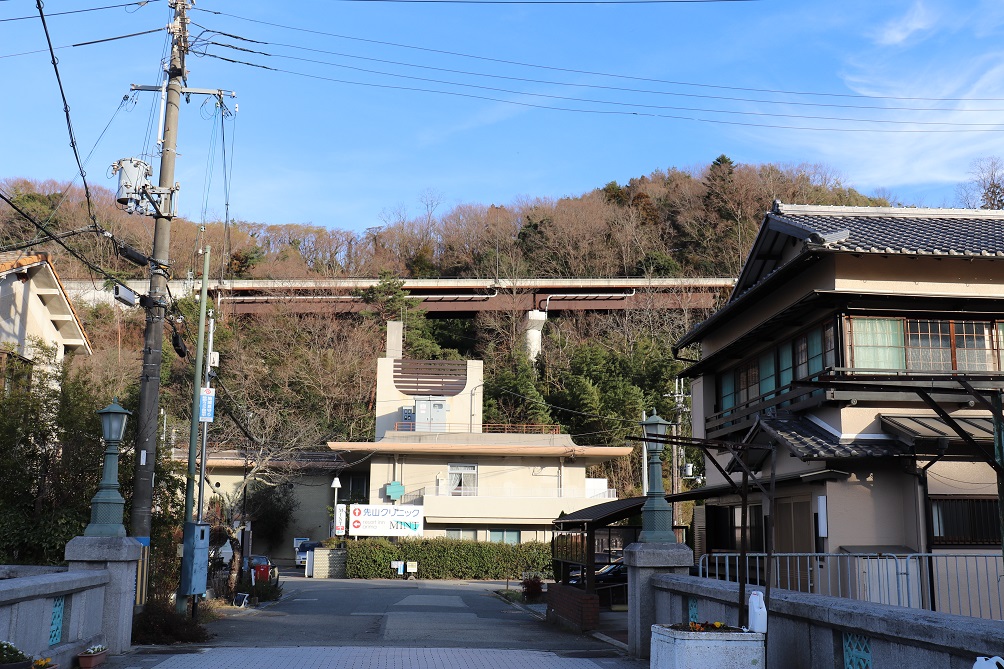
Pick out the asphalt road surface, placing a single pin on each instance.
(393, 613)
(392, 624)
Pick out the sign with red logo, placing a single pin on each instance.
(386, 520)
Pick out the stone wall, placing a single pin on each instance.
(806, 631)
(55, 614)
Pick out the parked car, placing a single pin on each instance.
(263, 568)
(304, 548)
(615, 572)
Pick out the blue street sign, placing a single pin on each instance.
(207, 405)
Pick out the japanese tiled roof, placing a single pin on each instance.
(967, 233)
(887, 230)
(809, 441)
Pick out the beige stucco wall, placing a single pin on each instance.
(510, 489)
(920, 276)
(311, 519)
(464, 407)
(878, 507)
(961, 478)
(483, 531)
(24, 316)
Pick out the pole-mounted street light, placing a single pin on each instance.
(657, 513)
(107, 504)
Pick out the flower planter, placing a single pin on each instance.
(89, 660)
(677, 649)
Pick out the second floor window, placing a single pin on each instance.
(808, 353)
(923, 344)
(463, 479)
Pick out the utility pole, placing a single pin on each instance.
(156, 307)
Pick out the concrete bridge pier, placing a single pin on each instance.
(534, 324)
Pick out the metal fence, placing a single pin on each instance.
(963, 584)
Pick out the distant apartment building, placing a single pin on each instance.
(432, 450)
(473, 481)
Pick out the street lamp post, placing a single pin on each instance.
(657, 513)
(107, 504)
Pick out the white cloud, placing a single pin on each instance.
(896, 32)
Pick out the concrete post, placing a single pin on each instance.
(534, 322)
(395, 340)
(645, 561)
(119, 556)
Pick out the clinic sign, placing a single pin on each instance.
(384, 520)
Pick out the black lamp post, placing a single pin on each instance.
(657, 513)
(107, 504)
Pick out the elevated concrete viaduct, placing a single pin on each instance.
(446, 298)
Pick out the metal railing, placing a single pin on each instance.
(494, 428)
(417, 496)
(962, 584)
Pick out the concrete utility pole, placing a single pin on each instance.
(156, 308)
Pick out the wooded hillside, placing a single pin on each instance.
(669, 223)
(297, 381)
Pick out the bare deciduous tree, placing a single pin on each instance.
(986, 188)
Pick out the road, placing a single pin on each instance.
(385, 623)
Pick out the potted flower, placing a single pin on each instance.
(92, 656)
(711, 645)
(11, 657)
(44, 663)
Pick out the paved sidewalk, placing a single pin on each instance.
(353, 657)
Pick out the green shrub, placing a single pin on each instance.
(443, 558)
(370, 558)
(533, 588)
(160, 624)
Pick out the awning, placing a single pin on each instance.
(606, 513)
(932, 427)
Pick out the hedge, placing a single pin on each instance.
(443, 558)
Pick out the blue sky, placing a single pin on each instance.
(307, 149)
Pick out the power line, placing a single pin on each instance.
(140, 3)
(66, 191)
(560, 83)
(20, 246)
(644, 114)
(112, 39)
(614, 102)
(594, 73)
(57, 238)
(69, 123)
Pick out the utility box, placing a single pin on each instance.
(408, 415)
(431, 414)
(195, 562)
